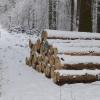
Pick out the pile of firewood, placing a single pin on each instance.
(44, 58)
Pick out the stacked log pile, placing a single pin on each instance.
(45, 58)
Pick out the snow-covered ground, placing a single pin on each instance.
(20, 82)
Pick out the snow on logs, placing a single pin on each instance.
(55, 34)
(83, 44)
(76, 76)
(80, 62)
(76, 47)
(58, 51)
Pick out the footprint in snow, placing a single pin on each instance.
(0, 94)
(20, 61)
(19, 74)
(9, 47)
(19, 45)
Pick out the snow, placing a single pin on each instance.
(77, 50)
(76, 46)
(79, 59)
(68, 34)
(21, 82)
(75, 43)
(78, 72)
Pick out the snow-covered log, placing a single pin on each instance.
(72, 76)
(67, 59)
(76, 47)
(79, 62)
(82, 51)
(53, 34)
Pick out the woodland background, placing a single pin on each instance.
(32, 16)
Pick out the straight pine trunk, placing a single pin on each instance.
(72, 14)
(85, 20)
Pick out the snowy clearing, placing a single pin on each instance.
(19, 82)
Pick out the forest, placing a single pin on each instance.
(35, 15)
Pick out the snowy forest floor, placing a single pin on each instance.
(20, 82)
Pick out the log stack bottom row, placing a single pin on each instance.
(75, 76)
(44, 58)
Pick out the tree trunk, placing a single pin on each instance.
(78, 13)
(98, 17)
(33, 20)
(72, 14)
(52, 14)
(85, 20)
